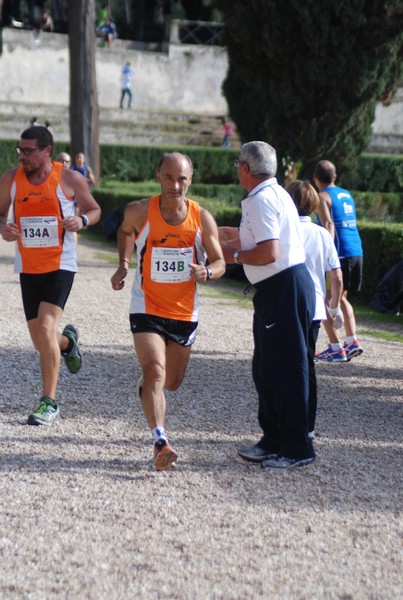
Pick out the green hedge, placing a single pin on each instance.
(378, 206)
(383, 247)
(375, 172)
(139, 163)
(382, 242)
(381, 172)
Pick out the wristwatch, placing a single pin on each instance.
(85, 221)
(209, 273)
(236, 254)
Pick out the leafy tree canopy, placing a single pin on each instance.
(306, 76)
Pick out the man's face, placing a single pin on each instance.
(175, 178)
(31, 156)
(243, 169)
(80, 159)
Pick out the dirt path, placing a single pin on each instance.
(85, 517)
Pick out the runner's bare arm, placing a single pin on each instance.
(75, 185)
(9, 231)
(133, 220)
(213, 249)
(323, 212)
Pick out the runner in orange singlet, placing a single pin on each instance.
(173, 236)
(43, 196)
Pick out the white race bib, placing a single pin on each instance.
(39, 232)
(171, 265)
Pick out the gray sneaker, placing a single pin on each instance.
(47, 412)
(73, 358)
(255, 453)
(282, 462)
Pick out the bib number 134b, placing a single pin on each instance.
(170, 265)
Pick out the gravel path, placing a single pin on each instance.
(84, 516)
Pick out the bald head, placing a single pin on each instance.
(63, 158)
(325, 172)
(174, 157)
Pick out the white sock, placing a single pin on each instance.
(336, 346)
(350, 338)
(159, 434)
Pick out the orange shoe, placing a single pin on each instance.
(164, 456)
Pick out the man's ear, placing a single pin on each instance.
(157, 176)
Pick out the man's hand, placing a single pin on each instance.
(337, 316)
(117, 280)
(228, 252)
(72, 223)
(197, 273)
(9, 232)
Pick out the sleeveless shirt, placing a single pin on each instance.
(38, 210)
(347, 239)
(162, 286)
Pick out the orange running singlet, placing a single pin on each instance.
(38, 210)
(162, 284)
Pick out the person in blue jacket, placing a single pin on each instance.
(336, 212)
(81, 166)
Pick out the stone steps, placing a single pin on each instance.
(132, 127)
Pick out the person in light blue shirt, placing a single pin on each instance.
(126, 86)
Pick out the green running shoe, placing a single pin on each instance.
(72, 358)
(45, 414)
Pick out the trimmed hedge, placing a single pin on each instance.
(381, 172)
(382, 242)
(139, 163)
(375, 172)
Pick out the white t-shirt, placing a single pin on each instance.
(321, 256)
(269, 213)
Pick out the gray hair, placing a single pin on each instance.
(261, 158)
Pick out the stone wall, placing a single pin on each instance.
(187, 78)
(184, 79)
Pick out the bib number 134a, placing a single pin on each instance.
(171, 265)
(37, 232)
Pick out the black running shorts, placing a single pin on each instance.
(53, 287)
(181, 332)
(351, 268)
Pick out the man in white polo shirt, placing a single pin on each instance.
(270, 248)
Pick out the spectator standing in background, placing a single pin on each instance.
(81, 166)
(321, 259)
(65, 159)
(336, 212)
(269, 245)
(125, 84)
(228, 130)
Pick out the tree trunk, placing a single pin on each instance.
(84, 112)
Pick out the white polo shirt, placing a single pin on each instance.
(269, 213)
(321, 257)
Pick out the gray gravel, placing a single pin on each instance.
(84, 516)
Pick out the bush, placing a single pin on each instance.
(139, 163)
(383, 247)
(376, 172)
(378, 206)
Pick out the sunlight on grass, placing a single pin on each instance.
(370, 323)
